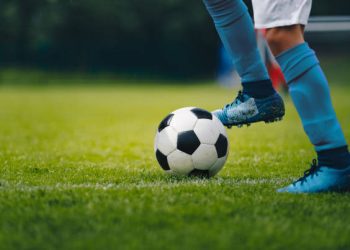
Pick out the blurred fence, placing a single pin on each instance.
(329, 34)
(168, 37)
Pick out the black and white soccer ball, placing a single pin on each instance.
(191, 141)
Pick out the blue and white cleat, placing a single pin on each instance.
(320, 179)
(245, 110)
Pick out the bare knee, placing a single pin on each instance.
(276, 37)
(284, 38)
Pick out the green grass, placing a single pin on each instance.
(77, 171)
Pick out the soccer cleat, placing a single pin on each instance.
(320, 179)
(245, 110)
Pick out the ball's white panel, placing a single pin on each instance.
(180, 162)
(183, 121)
(207, 131)
(166, 140)
(219, 125)
(204, 157)
(217, 166)
(182, 110)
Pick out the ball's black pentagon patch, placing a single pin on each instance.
(202, 114)
(221, 146)
(162, 160)
(187, 142)
(166, 122)
(199, 173)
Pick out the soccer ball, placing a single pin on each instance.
(191, 141)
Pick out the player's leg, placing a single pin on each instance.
(310, 93)
(259, 101)
(281, 39)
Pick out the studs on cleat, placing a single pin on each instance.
(274, 120)
(248, 124)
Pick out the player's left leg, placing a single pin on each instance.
(310, 93)
(258, 101)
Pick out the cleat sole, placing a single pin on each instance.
(274, 120)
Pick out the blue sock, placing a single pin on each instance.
(310, 93)
(335, 158)
(235, 28)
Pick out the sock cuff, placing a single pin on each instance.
(333, 151)
(225, 12)
(335, 157)
(296, 61)
(258, 89)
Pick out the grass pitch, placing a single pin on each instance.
(77, 171)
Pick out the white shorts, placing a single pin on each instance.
(277, 13)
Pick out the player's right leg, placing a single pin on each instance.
(258, 101)
(310, 94)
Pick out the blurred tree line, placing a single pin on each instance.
(175, 37)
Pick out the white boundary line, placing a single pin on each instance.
(6, 186)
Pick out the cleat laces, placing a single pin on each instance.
(314, 168)
(238, 100)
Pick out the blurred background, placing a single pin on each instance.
(167, 39)
(83, 87)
